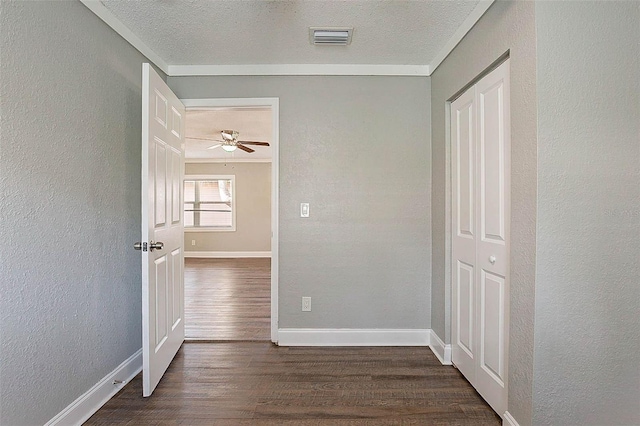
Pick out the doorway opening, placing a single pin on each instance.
(231, 227)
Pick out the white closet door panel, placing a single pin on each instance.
(463, 152)
(492, 246)
(480, 173)
(465, 288)
(492, 160)
(492, 325)
(465, 179)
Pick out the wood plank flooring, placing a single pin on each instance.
(227, 299)
(257, 383)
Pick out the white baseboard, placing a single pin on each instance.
(508, 420)
(352, 337)
(442, 351)
(226, 254)
(87, 404)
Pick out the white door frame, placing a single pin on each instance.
(274, 104)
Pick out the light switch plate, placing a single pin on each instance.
(304, 209)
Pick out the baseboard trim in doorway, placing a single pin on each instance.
(88, 403)
(352, 337)
(209, 340)
(225, 254)
(440, 349)
(508, 420)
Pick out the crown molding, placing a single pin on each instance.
(462, 31)
(110, 19)
(289, 69)
(205, 103)
(299, 69)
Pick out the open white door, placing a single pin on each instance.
(162, 227)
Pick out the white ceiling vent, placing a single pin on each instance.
(330, 36)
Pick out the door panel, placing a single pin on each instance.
(466, 320)
(492, 326)
(480, 164)
(176, 297)
(176, 205)
(493, 245)
(465, 157)
(160, 104)
(463, 154)
(162, 268)
(492, 152)
(160, 176)
(160, 300)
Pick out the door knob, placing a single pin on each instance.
(492, 260)
(140, 246)
(157, 246)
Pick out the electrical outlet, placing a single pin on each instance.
(193, 242)
(306, 304)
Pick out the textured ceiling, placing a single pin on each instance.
(232, 32)
(254, 124)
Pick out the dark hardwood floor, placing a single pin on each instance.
(243, 379)
(227, 299)
(257, 383)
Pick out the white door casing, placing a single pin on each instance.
(162, 269)
(480, 129)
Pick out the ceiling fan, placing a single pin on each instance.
(230, 142)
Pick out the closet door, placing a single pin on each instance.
(463, 225)
(481, 280)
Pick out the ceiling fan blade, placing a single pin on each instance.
(203, 139)
(245, 148)
(254, 143)
(214, 146)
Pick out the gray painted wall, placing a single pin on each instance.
(69, 167)
(357, 149)
(70, 206)
(587, 338)
(506, 26)
(253, 209)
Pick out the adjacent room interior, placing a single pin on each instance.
(227, 224)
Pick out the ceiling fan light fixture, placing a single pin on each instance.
(330, 36)
(229, 135)
(229, 148)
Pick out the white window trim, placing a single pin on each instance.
(232, 178)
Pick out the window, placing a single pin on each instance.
(209, 203)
